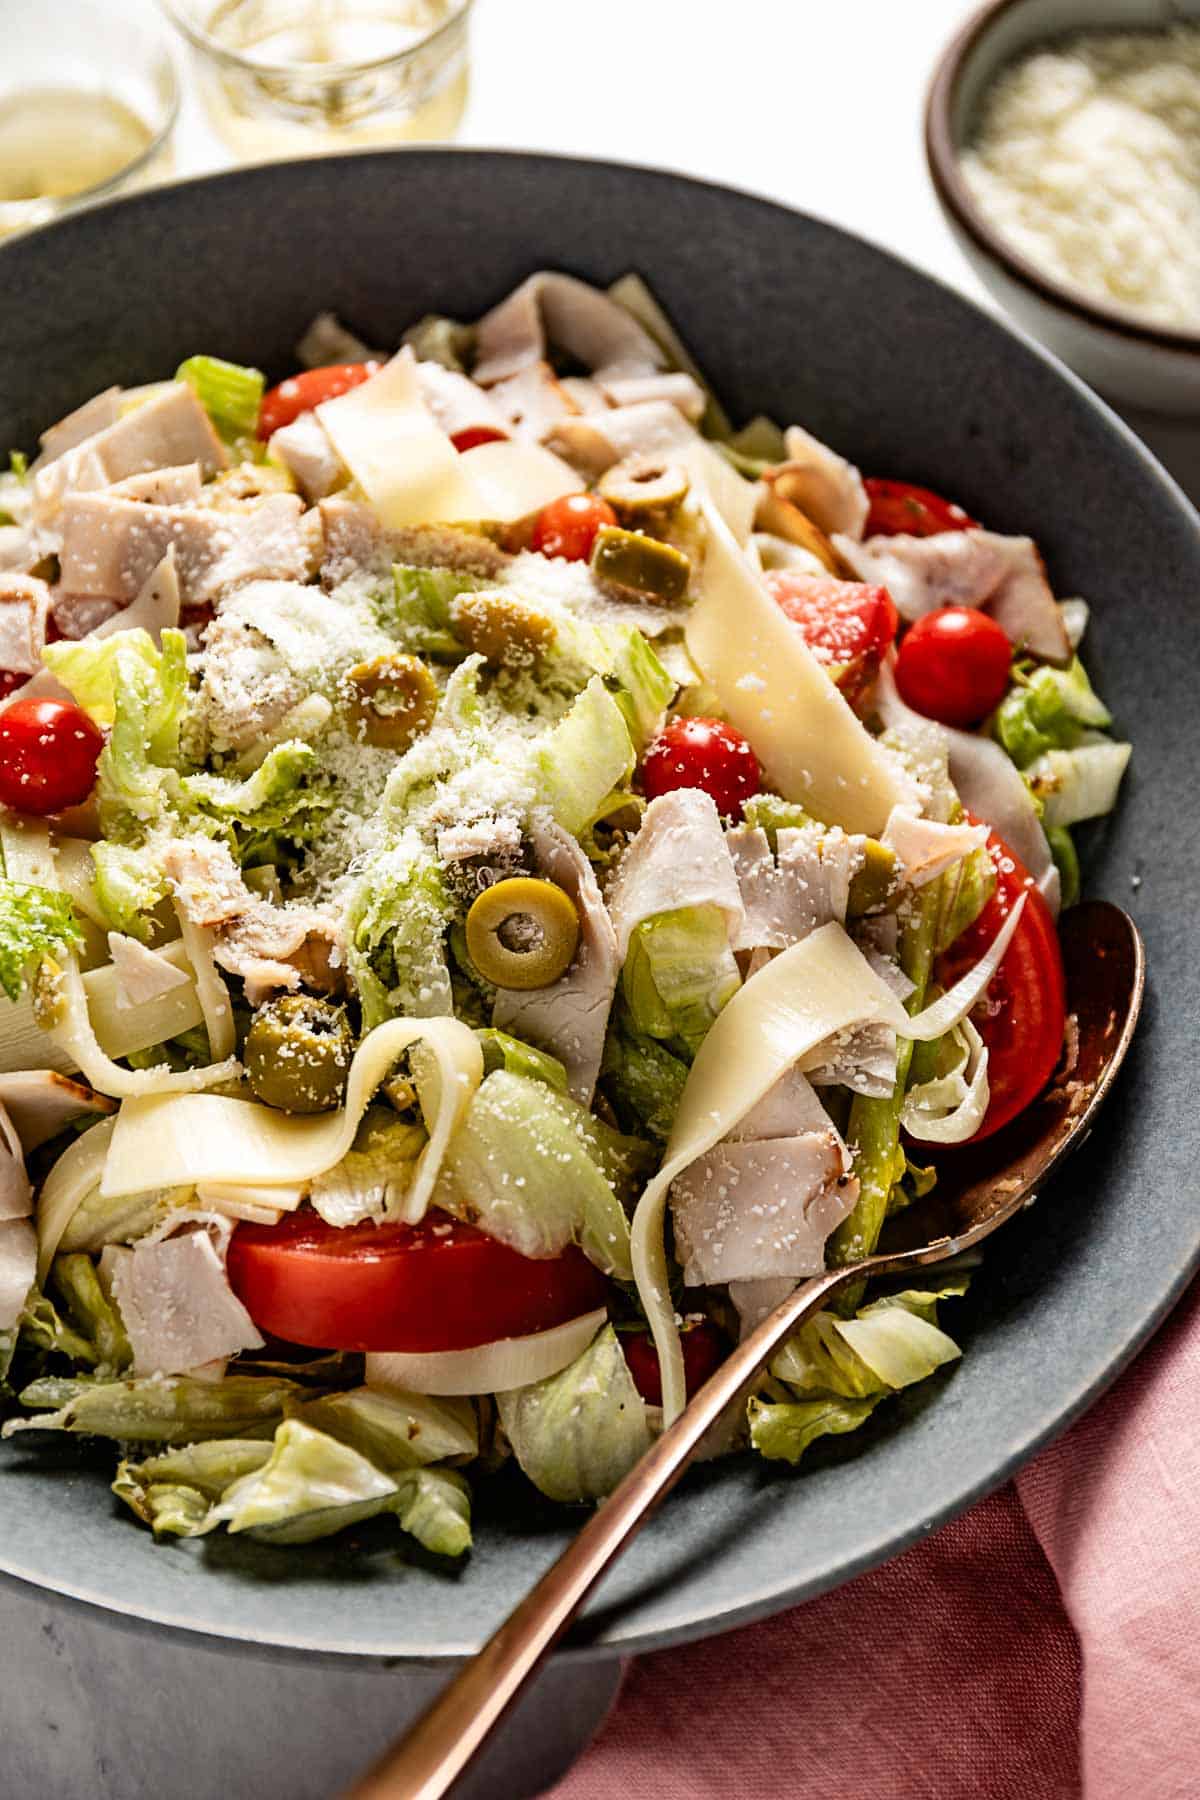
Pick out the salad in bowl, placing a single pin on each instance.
(503, 876)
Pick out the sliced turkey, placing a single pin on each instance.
(164, 432)
(111, 546)
(554, 309)
(95, 415)
(269, 946)
(18, 1268)
(24, 608)
(176, 1304)
(16, 1192)
(806, 883)
(749, 1211)
(162, 487)
(827, 489)
(678, 858)
(924, 848)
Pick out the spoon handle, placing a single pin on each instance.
(440, 1745)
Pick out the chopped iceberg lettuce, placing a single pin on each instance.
(396, 929)
(230, 394)
(679, 973)
(577, 1433)
(585, 758)
(643, 1078)
(394, 1429)
(1078, 784)
(34, 921)
(501, 1051)
(179, 1409)
(372, 1180)
(128, 887)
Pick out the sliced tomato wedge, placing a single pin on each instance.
(300, 393)
(439, 1285)
(899, 508)
(1022, 1017)
(703, 1354)
(848, 625)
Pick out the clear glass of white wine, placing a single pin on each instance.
(88, 100)
(285, 78)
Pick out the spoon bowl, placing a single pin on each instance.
(979, 1188)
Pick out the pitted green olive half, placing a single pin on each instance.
(506, 631)
(640, 565)
(642, 488)
(871, 885)
(394, 698)
(297, 1054)
(522, 933)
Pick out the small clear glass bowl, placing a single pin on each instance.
(286, 78)
(67, 66)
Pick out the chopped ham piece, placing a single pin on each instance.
(678, 858)
(164, 432)
(112, 546)
(306, 449)
(162, 487)
(926, 849)
(176, 1304)
(570, 1017)
(827, 489)
(554, 309)
(24, 606)
(748, 1211)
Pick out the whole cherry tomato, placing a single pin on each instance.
(954, 665)
(567, 528)
(848, 625)
(898, 508)
(300, 393)
(702, 753)
(48, 754)
(439, 1285)
(474, 435)
(703, 1354)
(1022, 1017)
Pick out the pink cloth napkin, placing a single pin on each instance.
(1045, 1645)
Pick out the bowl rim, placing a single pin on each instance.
(943, 157)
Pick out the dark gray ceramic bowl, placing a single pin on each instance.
(794, 318)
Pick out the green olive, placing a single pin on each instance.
(871, 886)
(640, 565)
(643, 488)
(395, 698)
(297, 1052)
(522, 933)
(501, 628)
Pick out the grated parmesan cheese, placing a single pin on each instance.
(1087, 161)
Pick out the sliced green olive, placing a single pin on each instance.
(644, 487)
(871, 886)
(505, 630)
(522, 933)
(297, 1053)
(395, 698)
(641, 565)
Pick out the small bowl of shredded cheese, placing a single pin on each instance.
(1063, 138)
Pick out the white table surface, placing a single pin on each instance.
(817, 103)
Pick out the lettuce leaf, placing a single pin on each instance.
(434, 1506)
(141, 694)
(782, 1431)
(174, 1492)
(230, 394)
(396, 927)
(679, 972)
(1048, 709)
(578, 1433)
(393, 1429)
(34, 921)
(643, 1078)
(128, 886)
(585, 758)
(373, 1178)
(178, 1409)
(501, 1051)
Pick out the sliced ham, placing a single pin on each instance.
(570, 1017)
(24, 608)
(269, 946)
(1004, 576)
(162, 487)
(306, 449)
(751, 1211)
(550, 308)
(111, 547)
(804, 885)
(176, 1304)
(40, 1103)
(678, 858)
(827, 489)
(164, 432)
(95, 415)
(924, 848)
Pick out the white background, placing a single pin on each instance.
(814, 102)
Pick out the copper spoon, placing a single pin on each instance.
(978, 1190)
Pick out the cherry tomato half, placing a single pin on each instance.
(567, 528)
(848, 625)
(439, 1285)
(702, 753)
(897, 507)
(953, 665)
(48, 754)
(1022, 1017)
(703, 1354)
(474, 435)
(300, 393)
